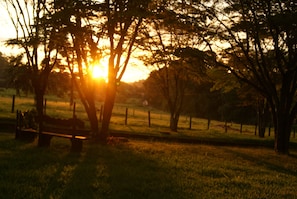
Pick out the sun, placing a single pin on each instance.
(135, 71)
(96, 72)
(99, 72)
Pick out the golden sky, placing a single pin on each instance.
(135, 71)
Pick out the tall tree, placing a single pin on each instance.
(261, 35)
(123, 20)
(173, 49)
(35, 36)
(80, 51)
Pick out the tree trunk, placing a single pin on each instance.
(174, 122)
(282, 139)
(262, 117)
(92, 115)
(282, 133)
(39, 98)
(261, 125)
(261, 130)
(107, 111)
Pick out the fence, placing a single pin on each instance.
(137, 118)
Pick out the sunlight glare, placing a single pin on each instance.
(135, 71)
(99, 72)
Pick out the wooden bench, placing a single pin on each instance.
(53, 127)
(76, 140)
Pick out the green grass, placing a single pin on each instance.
(138, 169)
(137, 122)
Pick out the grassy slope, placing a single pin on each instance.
(138, 169)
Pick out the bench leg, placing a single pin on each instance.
(44, 140)
(76, 145)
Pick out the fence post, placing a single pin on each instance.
(126, 116)
(208, 123)
(269, 128)
(13, 102)
(101, 113)
(149, 118)
(73, 111)
(240, 127)
(73, 121)
(190, 127)
(44, 107)
(256, 126)
(226, 127)
(17, 126)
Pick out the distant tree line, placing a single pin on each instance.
(202, 101)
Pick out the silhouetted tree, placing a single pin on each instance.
(35, 35)
(261, 35)
(246, 102)
(4, 67)
(19, 75)
(123, 20)
(54, 83)
(172, 46)
(77, 22)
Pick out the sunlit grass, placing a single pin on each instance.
(137, 120)
(138, 169)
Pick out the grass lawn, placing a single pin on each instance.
(144, 169)
(137, 121)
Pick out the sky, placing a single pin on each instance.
(135, 71)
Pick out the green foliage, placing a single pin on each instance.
(4, 65)
(54, 83)
(259, 48)
(130, 93)
(19, 75)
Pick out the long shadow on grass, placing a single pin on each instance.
(112, 171)
(7, 142)
(271, 165)
(119, 172)
(25, 170)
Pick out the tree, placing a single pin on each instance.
(123, 20)
(246, 102)
(171, 82)
(80, 51)
(4, 67)
(174, 50)
(54, 83)
(261, 36)
(35, 35)
(19, 75)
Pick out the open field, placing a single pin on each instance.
(137, 122)
(137, 116)
(145, 169)
(138, 169)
